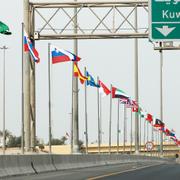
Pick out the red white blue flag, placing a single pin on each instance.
(29, 47)
(61, 55)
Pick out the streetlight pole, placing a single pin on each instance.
(4, 90)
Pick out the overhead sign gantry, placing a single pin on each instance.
(164, 20)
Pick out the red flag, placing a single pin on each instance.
(134, 106)
(104, 89)
(149, 118)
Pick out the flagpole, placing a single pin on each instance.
(118, 126)
(140, 124)
(4, 48)
(72, 109)
(22, 105)
(98, 117)
(131, 131)
(49, 78)
(152, 135)
(144, 132)
(110, 119)
(124, 141)
(147, 131)
(86, 121)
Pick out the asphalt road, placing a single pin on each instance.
(133, 171)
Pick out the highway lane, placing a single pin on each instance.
(121, 171)
(161, 172)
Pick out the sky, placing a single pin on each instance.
(111, 60)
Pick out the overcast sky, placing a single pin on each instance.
(111, 60)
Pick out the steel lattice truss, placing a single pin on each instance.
(95, 20)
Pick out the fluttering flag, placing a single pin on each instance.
(29, 47)
(135, 106)
(77, 73)
(158, 123)
(90, 80)
(4, 29)
(103, 89)
(67, 135)
(61, 55)
(149, 118)
(117, 93)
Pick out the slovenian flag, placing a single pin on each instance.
(29, 47)
(61, 55)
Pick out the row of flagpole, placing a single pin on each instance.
(99, 120)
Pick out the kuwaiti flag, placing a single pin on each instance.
(29, 47)
(60, 55)
(104, 90)
(117, 93)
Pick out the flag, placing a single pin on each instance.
(90, 80)
(61, 55)
(103, 89)
(158, 123)
(134, 106)
(165, 130)
(29, 47)
(117, 93)
(77, 73)
(149, 118)
(125, 101)
(4, 29)
(67, 135)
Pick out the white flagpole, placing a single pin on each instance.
(22, 120)
(118, 126)
(110, 119)
(98, 118)
(86, 121)
(49, 78)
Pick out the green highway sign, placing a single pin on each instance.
(164, 20)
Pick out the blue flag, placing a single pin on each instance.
(90, 81)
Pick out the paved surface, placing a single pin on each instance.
(133, 171)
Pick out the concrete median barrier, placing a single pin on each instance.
(11, 165)
(43, 163)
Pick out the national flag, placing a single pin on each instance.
(149, 118)
(60, 55)
(125, 101)
(29, 47)
(129, 103)
(4, 29)
(103, 89)
(117, 93)
(77, 73)
(166, 131)
(135, 106)
(141, 113)
(172, 134)
(158, 123)
(67, 135)
(90, 80)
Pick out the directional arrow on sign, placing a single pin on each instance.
(165, 30)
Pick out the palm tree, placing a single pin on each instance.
(7, 135)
